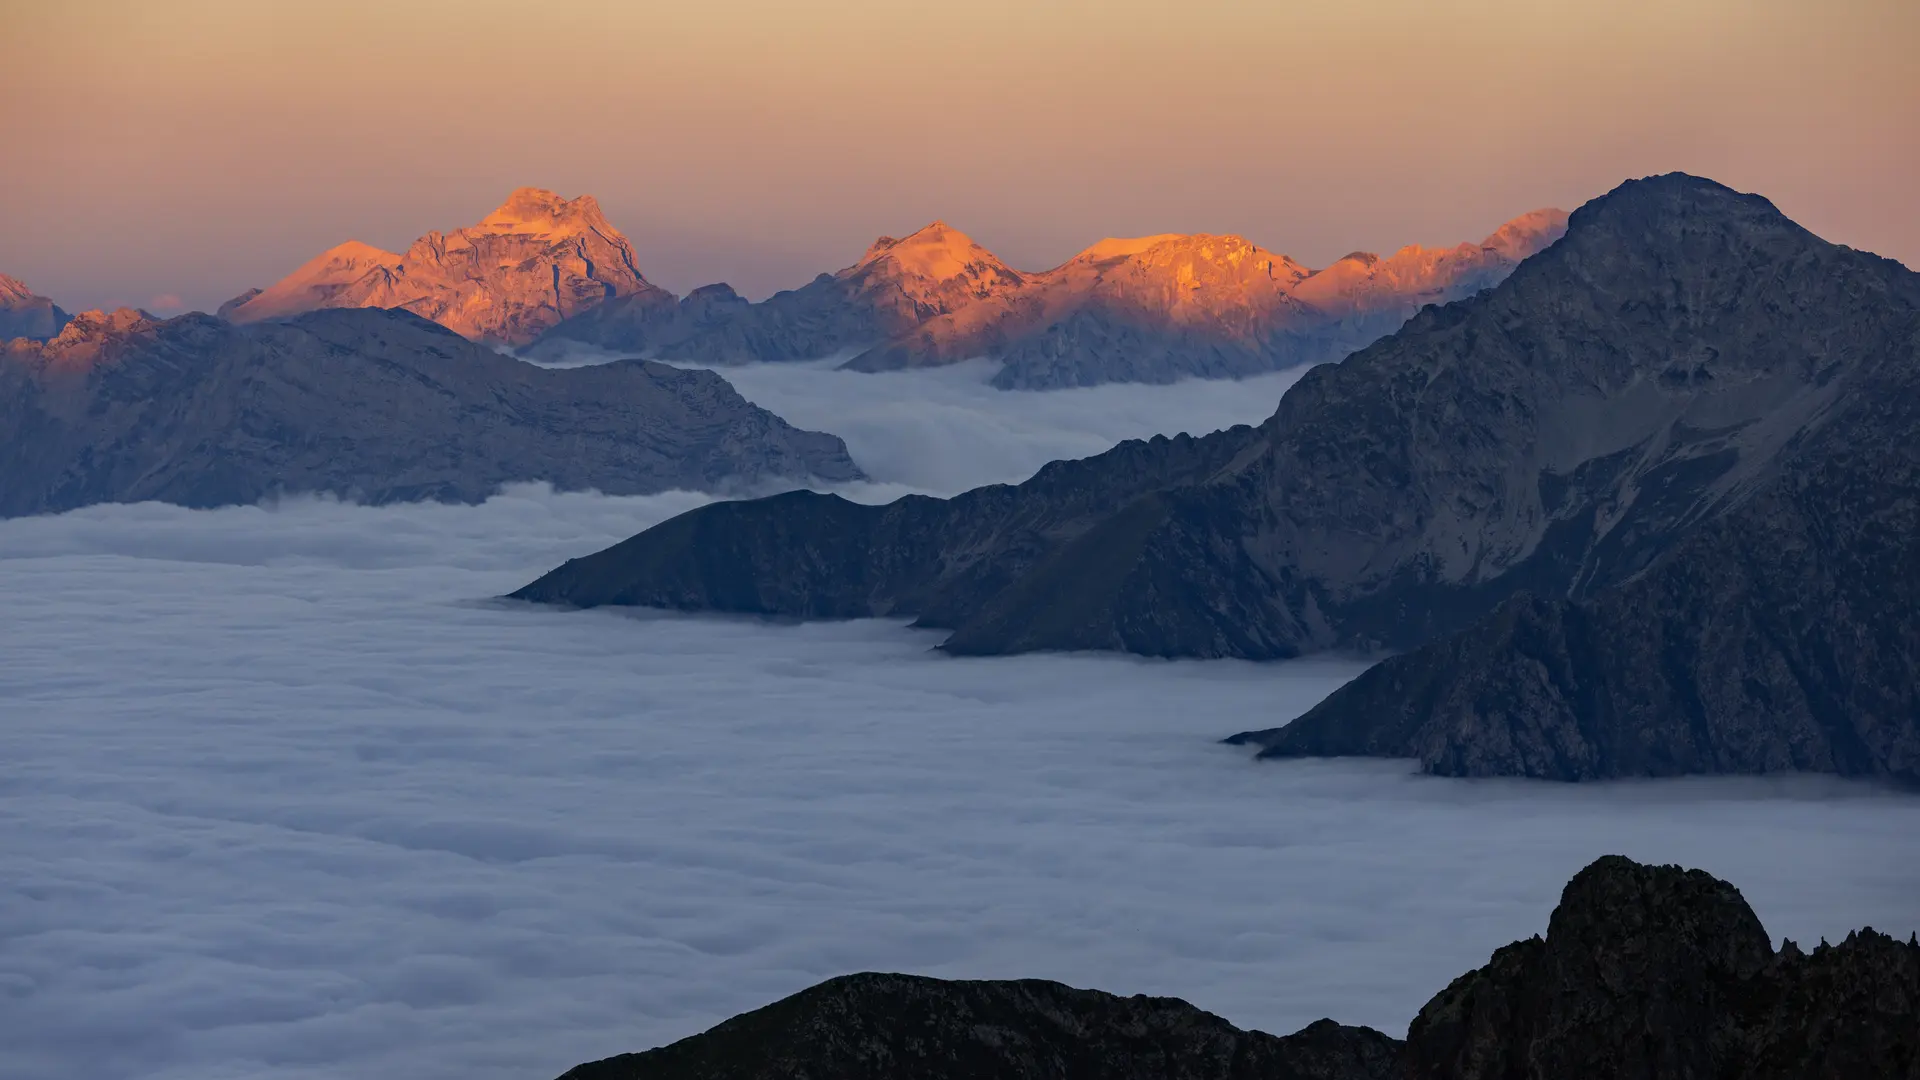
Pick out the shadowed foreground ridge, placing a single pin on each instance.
(380, 406)
(1684, 428)
(1645, 973)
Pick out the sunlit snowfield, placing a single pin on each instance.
(283, 794)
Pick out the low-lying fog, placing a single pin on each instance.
(283, 794)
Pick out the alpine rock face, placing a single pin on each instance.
(536, 260)
(23, 314)
(1659, 481)
(1147, 309)
(379, 406)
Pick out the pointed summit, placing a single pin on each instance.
(316, 283)
(937, 252)
(535, 260)
(541, 212)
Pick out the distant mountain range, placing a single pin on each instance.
(553, 274)
(1651, 505)
(1644, 973)
(374, 405)
(1151, 309)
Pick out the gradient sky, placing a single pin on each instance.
(198, 147)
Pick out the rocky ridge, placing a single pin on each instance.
(533, 262)
(25, 314)
(378, 406)
(898, 284)
(1686, 367)
(1645, 973)
(1148, 309)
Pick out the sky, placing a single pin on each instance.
(175, 154)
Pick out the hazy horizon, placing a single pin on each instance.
(191, 151)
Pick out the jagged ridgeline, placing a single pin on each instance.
(1645, 973)
(552, 274)
(1144, 309)
(1648, 506)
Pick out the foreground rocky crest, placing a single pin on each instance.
(1684, 372)
(1645, 973)
(373, 405)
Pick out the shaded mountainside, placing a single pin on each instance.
(1149, 309)
(1675, 369)
(1645, 973)
(375, 405)
(25, 314)
(534, 261)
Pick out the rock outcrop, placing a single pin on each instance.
(1148, 309)
(374, 405)
(1645, 973)
(24, 314)
(905, 1027)
(1616, 426)
(1655, 972)
(535, 261)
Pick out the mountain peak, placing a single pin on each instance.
(315, 283)
(936, 252)
(12, 288)
(537, 210)
(1671, 199)
(534, 261)
(96, 322)
(1116, 247)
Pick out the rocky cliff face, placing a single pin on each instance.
(1678, 364)
(23, 314)
(1150, 309)
(1645, 973)
(535, 261)
(373, 405)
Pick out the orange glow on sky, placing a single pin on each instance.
(199, 147)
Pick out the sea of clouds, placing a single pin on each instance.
(284, 793)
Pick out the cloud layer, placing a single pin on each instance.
(943, 430)
(284, 794)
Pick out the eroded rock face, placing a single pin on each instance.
(373, 405)
(1654, 418)
(1645, 973)
(905, 1027)
(24, 314)
(1148, 309)
(534, 261)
